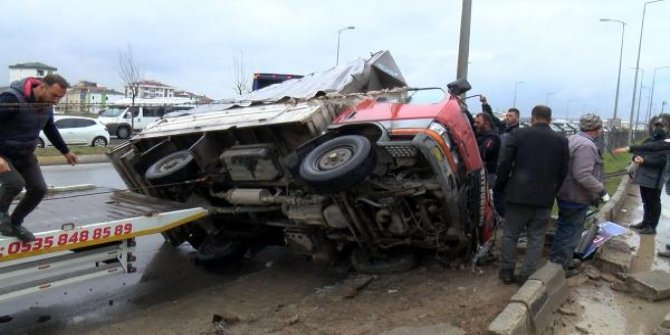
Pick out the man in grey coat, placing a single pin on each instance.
(582, 186)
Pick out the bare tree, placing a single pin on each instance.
(131, 75)
(240, 78)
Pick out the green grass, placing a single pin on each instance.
(78, 150)
(615, 164)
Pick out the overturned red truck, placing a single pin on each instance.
(346, 163)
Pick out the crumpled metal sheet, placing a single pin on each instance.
(360, 75)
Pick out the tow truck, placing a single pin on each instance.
(84, 232)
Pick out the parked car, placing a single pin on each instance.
(117, 116)
(374, 175)
(78, 130)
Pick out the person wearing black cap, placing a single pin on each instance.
(651, 174)
(582, 187)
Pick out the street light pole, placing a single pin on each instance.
(653, 83)
(516, 85)
(339, 32)
(637, 65)
(567, 110)
(618, 79)
(639, 102)
(464, 42)
(546, 98)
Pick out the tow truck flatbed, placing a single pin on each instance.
(86, 215)
(84, 232)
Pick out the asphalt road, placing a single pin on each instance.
(164, 273)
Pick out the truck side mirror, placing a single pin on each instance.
(459, 86)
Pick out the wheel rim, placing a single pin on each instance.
(99, 142)
(123, 133)
(334, 158)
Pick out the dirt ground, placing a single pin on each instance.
(290, 296)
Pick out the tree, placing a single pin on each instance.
(131, 75)
(240, 78)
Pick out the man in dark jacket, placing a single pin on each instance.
(25, 109)
(531, 169)
(488, 142)
(486, 108)
(511, 121)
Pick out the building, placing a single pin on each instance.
(198, 99)
(32, 69)
(88, 97)
(150, 89)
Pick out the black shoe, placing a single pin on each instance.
(638, 225)
(667, 246)
(647, 231)
(6, 229)
(19, 232)
(507, 276)
(520, 279)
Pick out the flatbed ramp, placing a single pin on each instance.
(84, 232)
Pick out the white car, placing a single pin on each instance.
(78, 130)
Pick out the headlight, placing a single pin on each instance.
(438, 128)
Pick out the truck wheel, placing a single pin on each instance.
(395, 261)
(219, 250)
(123, 132)
(338, 164)
(175, 167)
(40, 143)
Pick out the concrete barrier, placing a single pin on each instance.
(532, 308)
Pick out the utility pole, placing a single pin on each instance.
(464, 43)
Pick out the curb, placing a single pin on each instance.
(531, 308)
(60, 160)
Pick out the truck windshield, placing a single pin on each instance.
(112, 111)
(419, 96)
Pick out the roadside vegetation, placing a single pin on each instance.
(79, 150)
(615, 164)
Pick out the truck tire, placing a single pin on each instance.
(40, 143)
(123, 132)
(219, 250)
(395, 261)
(173, 168)
(338, 164)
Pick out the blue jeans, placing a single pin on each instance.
(569, 228)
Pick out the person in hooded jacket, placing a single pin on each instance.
(26, 108)
(651, 174)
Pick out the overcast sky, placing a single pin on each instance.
(550, 45)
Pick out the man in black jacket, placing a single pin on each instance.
(25, 109)
(531, 169)
(488, 142)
